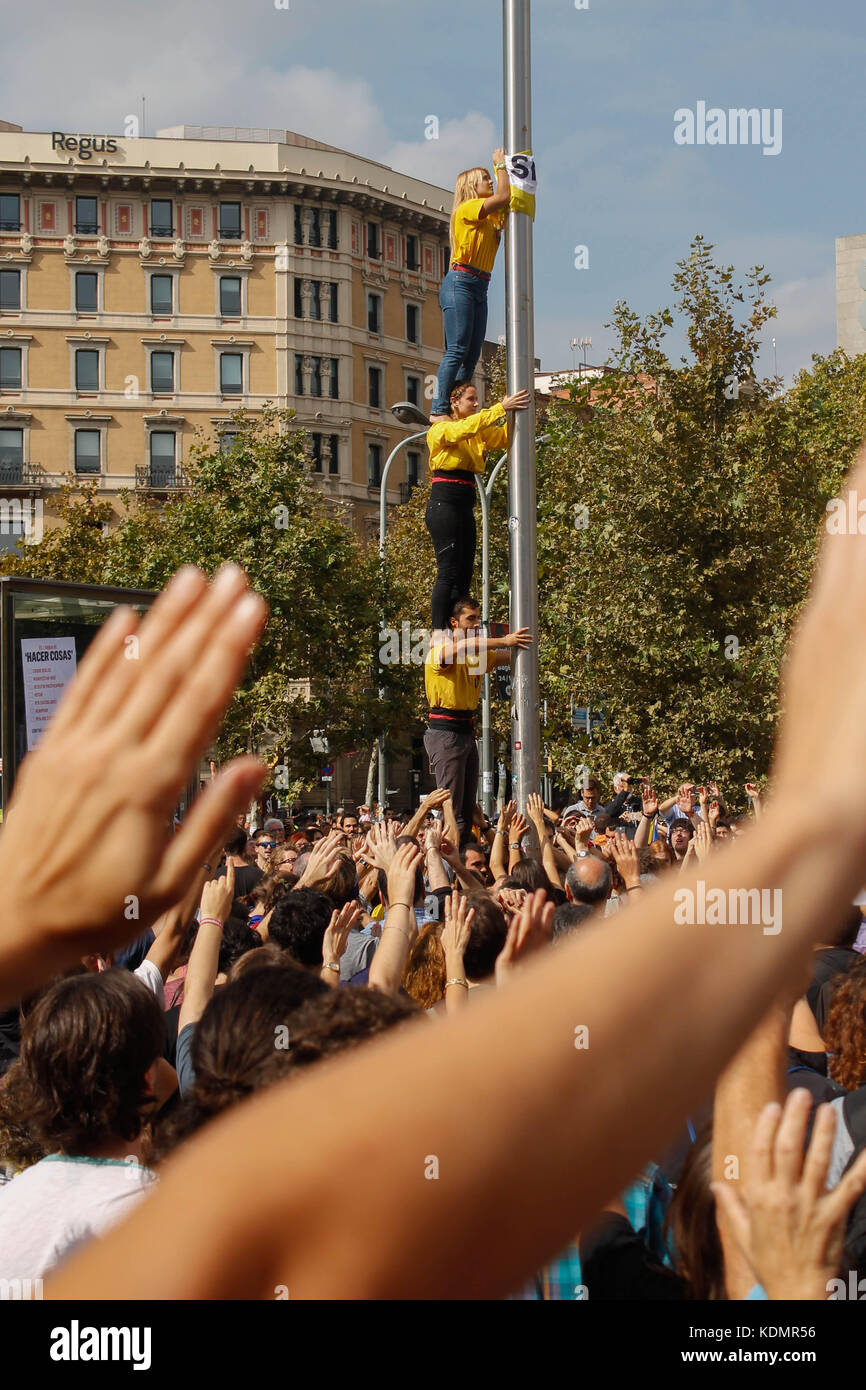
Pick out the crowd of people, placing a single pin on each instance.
(550, 1084)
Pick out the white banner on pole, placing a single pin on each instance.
(48, 665)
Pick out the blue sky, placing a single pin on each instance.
(607, 81)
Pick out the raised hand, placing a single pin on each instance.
(434, 836)
(381, 846)
(336, 937)
(625, 856)
(714, 814)
(583, 831)
(458, 924)
(789, 1227)
(753, 791)
(702, 841)
(535, 811)
(531, 929)
(111, 766)
(324, 859)
(649, 801)
(217, 896)
(402, 874)
(519, 827)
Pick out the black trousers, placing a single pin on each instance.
(454, 758)
(450, 519)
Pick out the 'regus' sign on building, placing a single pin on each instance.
(85, 146)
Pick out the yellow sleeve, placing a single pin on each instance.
(452, 431)
(496, 436)
(470, 211)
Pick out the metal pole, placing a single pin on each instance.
(383, 524)
(486, 732)
(521, 374)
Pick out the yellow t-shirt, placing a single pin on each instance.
(476, 238)
(465, 443)
(453, 687)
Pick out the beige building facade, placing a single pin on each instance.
(851, 293)
(151, 286)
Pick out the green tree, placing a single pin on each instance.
(679, 509)
(257, 505)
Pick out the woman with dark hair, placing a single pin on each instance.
(74, 1112)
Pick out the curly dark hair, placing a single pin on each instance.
(79, 1082)
(263, 1026)
(845, 1030)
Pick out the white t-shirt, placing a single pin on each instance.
(47, 1211)
(151, 975)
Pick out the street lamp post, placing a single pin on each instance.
(407, 414)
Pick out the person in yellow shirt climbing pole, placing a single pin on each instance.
(458, 448)
(477, 223)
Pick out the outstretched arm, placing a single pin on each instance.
(397, 1103)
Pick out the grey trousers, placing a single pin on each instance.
(454, 759)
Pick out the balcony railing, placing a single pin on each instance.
(161, 478)
(22, 475)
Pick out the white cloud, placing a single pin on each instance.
(462, 144)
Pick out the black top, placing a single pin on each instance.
(617, 1265)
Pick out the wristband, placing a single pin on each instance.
(515, 844)
(635, 889)
(406, 905)
(464, 983)
(335, 965)
(213, 921)
(393, 927)
(502, 832)
(497, 167)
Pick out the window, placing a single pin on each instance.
(162, 457)
(315, 376)
(161, 294)
(413, 261)
(446, 259)
(161, 217)
(86, 369)
(333, 303)
(374, 465)
(230, 296)
(374, 248)
(413, 390)
(315, 299)
(317, 453)
(315, 227)
(374, 313)
(299, 225)
(228, 440)
(334, 378)
(162, 373)
(10, 289)
(334, 454)
(413, 317)
(86, 291)
(231, 373)
(87, 451)
(331, 221)
(299, 299)
(374, 387)
(413, 464)
(86, 217)
(230, 221)
(10, 212)
(11, 455)
(10, 369)
(299, 374)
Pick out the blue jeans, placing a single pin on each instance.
(463, 299)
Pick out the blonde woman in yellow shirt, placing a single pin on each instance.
(477, 223)
(458, 447)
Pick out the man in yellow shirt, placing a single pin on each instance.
(452, 680)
